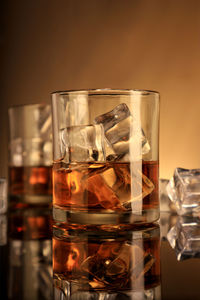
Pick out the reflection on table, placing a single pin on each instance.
(106, 264)
(184, 237)
(29, 244)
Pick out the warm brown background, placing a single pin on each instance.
(55, 45)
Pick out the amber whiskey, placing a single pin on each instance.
(112, 186)
(103, 262)
(30, 184)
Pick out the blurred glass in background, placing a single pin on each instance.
(30, 254)
(30, 155)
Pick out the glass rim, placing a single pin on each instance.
(106, 92)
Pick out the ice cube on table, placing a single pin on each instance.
(184, 238)
(117, 126)
(184, 190)
(83, 143)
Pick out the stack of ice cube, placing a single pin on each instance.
(108, 139)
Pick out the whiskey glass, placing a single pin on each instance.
(30, 155)
(105, 168)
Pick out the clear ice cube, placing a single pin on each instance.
(141, 187)
(184, 190)
(105, 195)
(83, 143)
(184, 238)
(109, 266)
(118, 132)
(114, 187)
(121, 264)
(114, 116)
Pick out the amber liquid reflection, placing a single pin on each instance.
(107, 261)
(30, 254)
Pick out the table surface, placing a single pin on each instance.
(179, 279)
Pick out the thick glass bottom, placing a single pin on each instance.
(65, 290)
(20, 201)
(104, 218)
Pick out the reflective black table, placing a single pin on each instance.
(26, 260)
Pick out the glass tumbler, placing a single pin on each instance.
(105, 168)
(30, 155)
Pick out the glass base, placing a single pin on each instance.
(18, 201)
(64, 290)
(102, 218)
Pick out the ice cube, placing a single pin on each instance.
(118, 125)
(109, 266)
(105, 195)
(184, 190)
(120, 137)
(149, 260)
(83, 143)
(114, 116)
(115, 188)
(94, 265)
(141, 187)
(121, 264)
(184, 238)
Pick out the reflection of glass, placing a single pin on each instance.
(184, 237)
(166, 221)
(30, 271)
(106, 263)
(105, 156)
(3, 238)
(30, 149)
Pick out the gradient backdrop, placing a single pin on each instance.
(56, 45)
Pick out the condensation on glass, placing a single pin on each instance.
(105, 168)
(30, 154)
